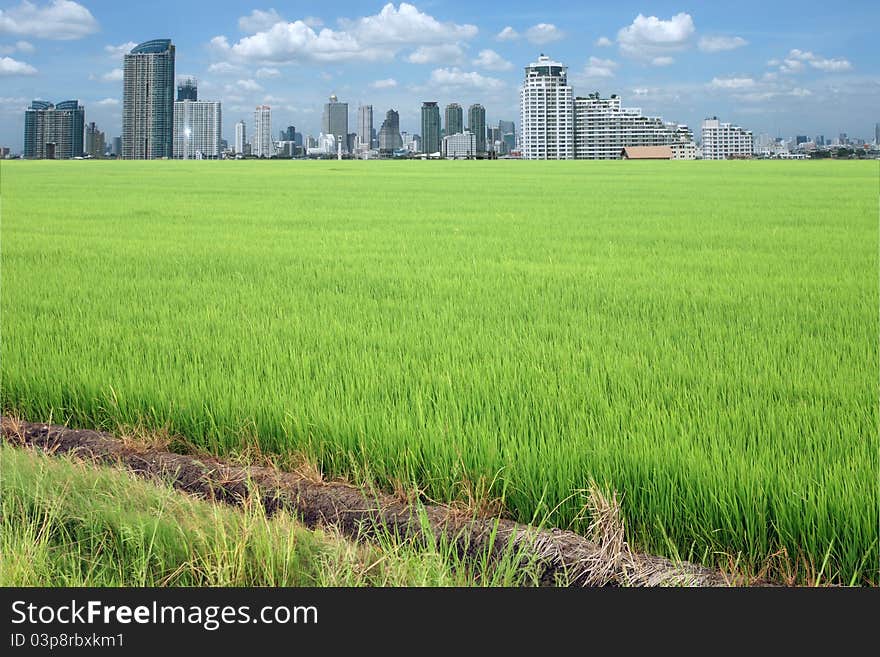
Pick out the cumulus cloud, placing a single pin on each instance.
(59, 20)
(370, 38)
(265, 72)
(108, 102)
(720, 43)
(604, 42)
(9, 66)
(507, 34)
(797, 60)
(388, 83)
(18, 46)
(456, 78)
(492, 61)
(654, 40)
(259, 20)
(544, 33)
(599, 68)
(116, 75)
(120, 50)
(224, 68)
(249, 85)
(450, 53)
(732, 83)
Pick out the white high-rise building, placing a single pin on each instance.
(723, 141)
(603, 128)
(262, 139)
(240, 137)
(365, 127)
(546, 112)
(197, 129)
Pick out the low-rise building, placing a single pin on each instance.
(460, 146)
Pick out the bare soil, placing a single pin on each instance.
(561, 555)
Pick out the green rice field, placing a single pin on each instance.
(701, 337)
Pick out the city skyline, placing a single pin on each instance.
(684, 64)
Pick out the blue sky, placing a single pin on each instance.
(778, 67)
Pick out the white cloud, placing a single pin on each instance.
(456, 78)
(507, 34)
(258, 21)
(651, 39)
(492, 61)
(249, 85)
(604, 42)
(720, 43)
(120, 50)
(116, 75)
(450, 53)
(544, 33)
(797, 60)
(388, 83)
(370, 38)
(264, 73)
(59, 20)
(406, 25)
(732, 83)
(18, 46)
(599, 68)
(108, 102)
(640, 91)
(224, 68)
(9, 66)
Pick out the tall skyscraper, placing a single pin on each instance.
(335, 120)
(261, 145)
(148, 101)
(95, 145)
(240, 137)
(187, 88)
(477, 125)
(198, 129)
(54, 132)
(290, 133)
(365, 126)
(389, 134)
(546, 112)
(430, 127)
(454, 119)
(877, 134)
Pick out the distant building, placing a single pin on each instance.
(261, 141)
(198, 128)
(95, 143)
(460, 146)
(800, 139)
(148, 101)
(117, 147)
(877, 134)
(546, 112)
(335, 120)
(603, 129)
(454, 119)
(389, 133)
(365, 127)
(54, 132)
(477, 125)
(240, 137)
(723, 141)
(187, 89)
(820, 139)
(430, 127)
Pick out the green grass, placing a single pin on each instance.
(701, 337)
(65, 523)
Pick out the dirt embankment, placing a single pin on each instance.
(605, 559)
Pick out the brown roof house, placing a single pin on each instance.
(646, 153)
